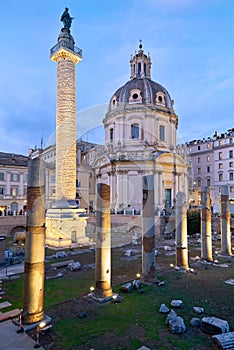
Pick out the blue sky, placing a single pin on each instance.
(190, 42)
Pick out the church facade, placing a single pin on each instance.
(140, 138)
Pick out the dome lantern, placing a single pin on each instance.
(140, 64)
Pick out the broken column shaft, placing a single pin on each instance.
(34, 272)
(148, 230)
(225, 222)
(206, 237)
(103, 243)
(181, 232)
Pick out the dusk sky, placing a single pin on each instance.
(190, 43)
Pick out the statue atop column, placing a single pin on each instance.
(66, 19)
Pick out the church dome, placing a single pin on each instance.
(143, 90)
(140, 88)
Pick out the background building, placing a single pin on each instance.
(212, 164)
(13, 183)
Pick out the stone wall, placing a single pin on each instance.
(10, 224)
(2, 248)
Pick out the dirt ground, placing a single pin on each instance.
(122, 271)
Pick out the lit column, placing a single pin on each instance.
(181, 231)
(225, 222)
(33, 300)
(66, 55)
(103, 242)
(206, 237)
(148, 230)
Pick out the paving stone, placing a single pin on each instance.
(5, 304)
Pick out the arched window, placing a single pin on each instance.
(135, 131)
(145, 68)
(139, 69)
(111, 134)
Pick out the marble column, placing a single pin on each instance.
(181, 232)
(33, 299)
(148, 228)
(225, 222)
(103, 243)
(206, 237)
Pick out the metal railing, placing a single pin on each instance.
(64, 43)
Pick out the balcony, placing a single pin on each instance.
(64, 43)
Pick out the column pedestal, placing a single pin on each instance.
(65, 227)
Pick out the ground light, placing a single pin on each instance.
(21, 329)
(138, 275)
(40, 326)
(92, 289)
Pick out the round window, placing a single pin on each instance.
(160, 98)
(135, 96)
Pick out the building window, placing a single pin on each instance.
(25, 191)
(208, 145)
(208, 169)
(111, 134)
(199, 170)
(198, 183)
(199, 160)
(220, 142)
(231, 140)
(220, 177)
(135, 131)
(230, 164)
(139, 70)
(208, 158)
(167, 198)
(220, 165)
(198, 147)
(14, 177)
(2, 190)
(162, 132)
(231, 176)
(14, 191)
(220, 155)
(78, 183)
(232, 189)
(1, 176)
(208, 182)
(231, 154)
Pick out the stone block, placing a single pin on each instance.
(177, 303)
(195, 322)
(198, 309)
(224, 341)
(164, 309)
(172, 314)
(177, 325)
(214, 325)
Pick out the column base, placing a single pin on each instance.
(65, 227)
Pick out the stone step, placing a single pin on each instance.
(10, 314)
(224, 341)
(5, 304)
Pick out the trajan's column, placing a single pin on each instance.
(65, 223)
